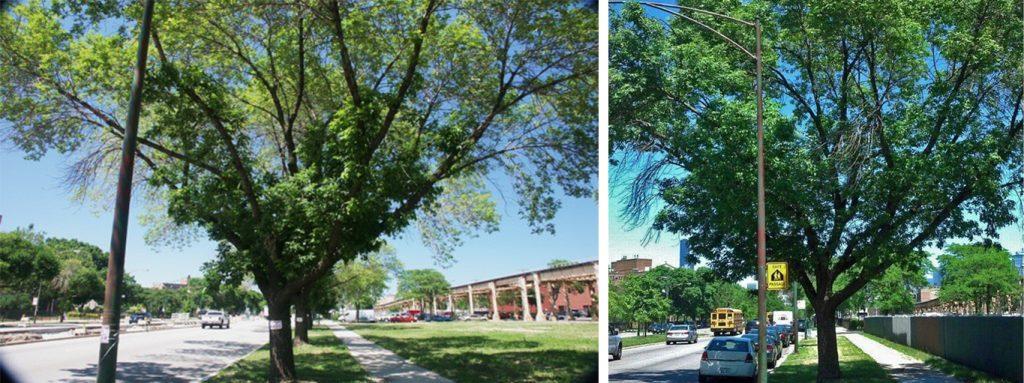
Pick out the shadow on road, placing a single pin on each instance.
(655, 376)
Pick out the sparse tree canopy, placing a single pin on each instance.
(304, 133)
(890, 126)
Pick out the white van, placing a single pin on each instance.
(781, 317)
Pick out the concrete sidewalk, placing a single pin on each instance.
(900, 366)
(383, 365)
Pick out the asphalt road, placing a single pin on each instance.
(658, 363)
(178, 355)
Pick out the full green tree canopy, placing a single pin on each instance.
(890, 126)
(304, 133)
(978, 274)
(424, 285)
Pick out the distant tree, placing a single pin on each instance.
(25, 262)
(642, 296)
(362, 281)
(979, 274)
(424, 285)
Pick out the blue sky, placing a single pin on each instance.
(30, 193)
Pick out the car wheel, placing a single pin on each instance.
(702, 379)
(771, 364)
(618, 353)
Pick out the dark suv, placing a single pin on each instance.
(139, 317)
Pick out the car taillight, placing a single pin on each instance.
(704, 356)
(750, 358)
(769, 348)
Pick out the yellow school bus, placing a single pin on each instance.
(727, 320)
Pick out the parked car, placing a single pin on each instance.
(730, 357)
(472, 317)
(440, 318)
(788, 330)
(772, 332)
(139, 317)
(215, 318)
(773, 352)
(614, 344)
(681, 333)
(751, 326)
(403, 318)
(782, 334)
(657, 328)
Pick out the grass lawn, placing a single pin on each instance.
(493, 351)
(324, 359)
(855, 365)
(642, 340)
(958, 371)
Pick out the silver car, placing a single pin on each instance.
(215, 318)
(614, 344)
(681, 333)
(732, 357)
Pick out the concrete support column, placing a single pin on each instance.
(537, 298)
(471, 309)
(526, 301)
(494, 302)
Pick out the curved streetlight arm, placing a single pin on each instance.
(691, 9)
(705, 26)
(665, 8)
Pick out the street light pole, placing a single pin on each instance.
(109, 332)
(762, 288)
(762, 357)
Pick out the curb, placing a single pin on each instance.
(87, 336)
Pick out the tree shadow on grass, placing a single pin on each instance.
(483, 359)
(324, 359)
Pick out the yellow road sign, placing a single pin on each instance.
(777, 275)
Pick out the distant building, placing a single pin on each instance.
(172, 285)
(935, 279)
(928, 293)
(626, 266)
(684, 251)
(1018, 262)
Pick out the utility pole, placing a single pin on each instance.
(796, 319)
(109, 332)
(762, 288)
(762, 293)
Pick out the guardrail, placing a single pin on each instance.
(986, 343)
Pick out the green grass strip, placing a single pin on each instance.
(958, 371)
(324, 359)
(634, 341)
(854, 365)
(493, 351)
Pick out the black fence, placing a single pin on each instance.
(986, 343)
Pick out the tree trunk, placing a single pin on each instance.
(828, 354)
(357, 313)
(301, 320)
(282, 359)
(568, 309)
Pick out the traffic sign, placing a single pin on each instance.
(35, 301)
(778, 276)
(801, 304)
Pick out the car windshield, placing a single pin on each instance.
(728, 345)
(213, 313)
(680, 327)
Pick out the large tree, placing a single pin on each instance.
(890, 126)
(304, 133)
